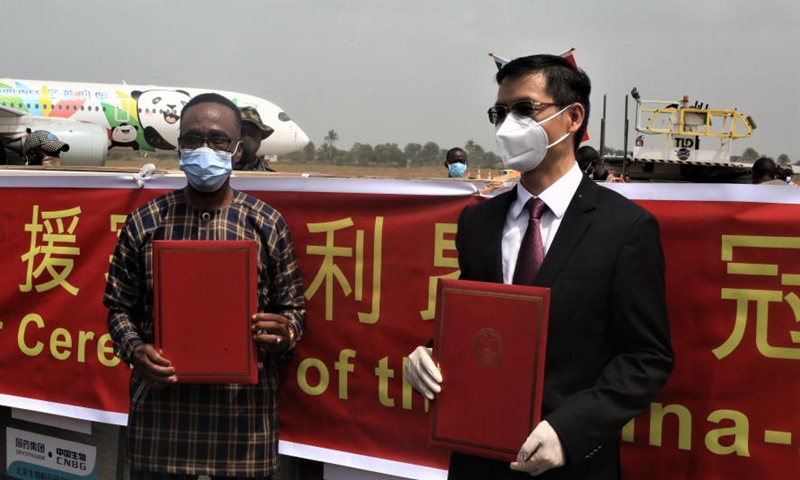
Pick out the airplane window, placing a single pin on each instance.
(104, 109)
(37, 105)
(60, 107)
(140, 110)
(81, 107)
(283, 117)
(29, 105)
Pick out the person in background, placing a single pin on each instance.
(253, 133)
(591, 164)
(609, 353)
(456, 163)
(177, 431)
(766, 172)
(42, 148)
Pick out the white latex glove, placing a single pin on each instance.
(422, 373)
(540, 452)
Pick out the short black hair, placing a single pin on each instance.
(586, 154)
(452, 152)
(765, 169)
(212, 97)
(564, 82)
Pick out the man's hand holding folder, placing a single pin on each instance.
(272, 332)
(540, 452)
(156, 370)
(422, 373)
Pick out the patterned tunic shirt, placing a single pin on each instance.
(224, 430)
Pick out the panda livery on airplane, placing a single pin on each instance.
(94, 118)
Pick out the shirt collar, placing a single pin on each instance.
(557, 196)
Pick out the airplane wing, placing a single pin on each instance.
(6, 112)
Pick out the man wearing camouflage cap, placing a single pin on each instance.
(43, 148)
(253, 133)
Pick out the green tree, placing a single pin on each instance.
(783, 159)
(412, 152)
(309, 152)
(362, 153)
(305, 155)
(430, 154)
(475, 153)
(331, 138)
(750, 155)
(612, 152)
(328, 153)
(492, 160)
(389, 154)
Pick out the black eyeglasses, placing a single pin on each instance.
(216, 142)
(523, 108)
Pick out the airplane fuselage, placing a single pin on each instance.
(134, 117)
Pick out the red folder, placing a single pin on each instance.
(205, 294)
(490, 346)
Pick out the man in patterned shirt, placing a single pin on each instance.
(178, 430)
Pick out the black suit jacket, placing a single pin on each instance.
(608, 346)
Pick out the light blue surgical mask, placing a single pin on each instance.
(206, 169)
(457, 170)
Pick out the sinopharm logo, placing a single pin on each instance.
(30, 456)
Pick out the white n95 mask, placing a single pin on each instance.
(523, 142)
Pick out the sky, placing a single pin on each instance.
(403, 71)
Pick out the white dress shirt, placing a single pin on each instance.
(557, 197)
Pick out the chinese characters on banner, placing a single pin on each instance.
(370, 265)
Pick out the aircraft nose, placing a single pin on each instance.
(300, 137)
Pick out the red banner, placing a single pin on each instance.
(370, 253)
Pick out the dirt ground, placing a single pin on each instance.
(318, 168)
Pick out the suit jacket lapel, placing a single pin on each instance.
(494, 231)
(577, 219)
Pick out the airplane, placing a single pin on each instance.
(94, 118)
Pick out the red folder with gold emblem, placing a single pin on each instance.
(489, 343)
(205, 294)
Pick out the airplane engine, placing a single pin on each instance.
(88, 143)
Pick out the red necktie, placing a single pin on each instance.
(531, 250)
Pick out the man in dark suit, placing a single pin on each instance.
(608, 346)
